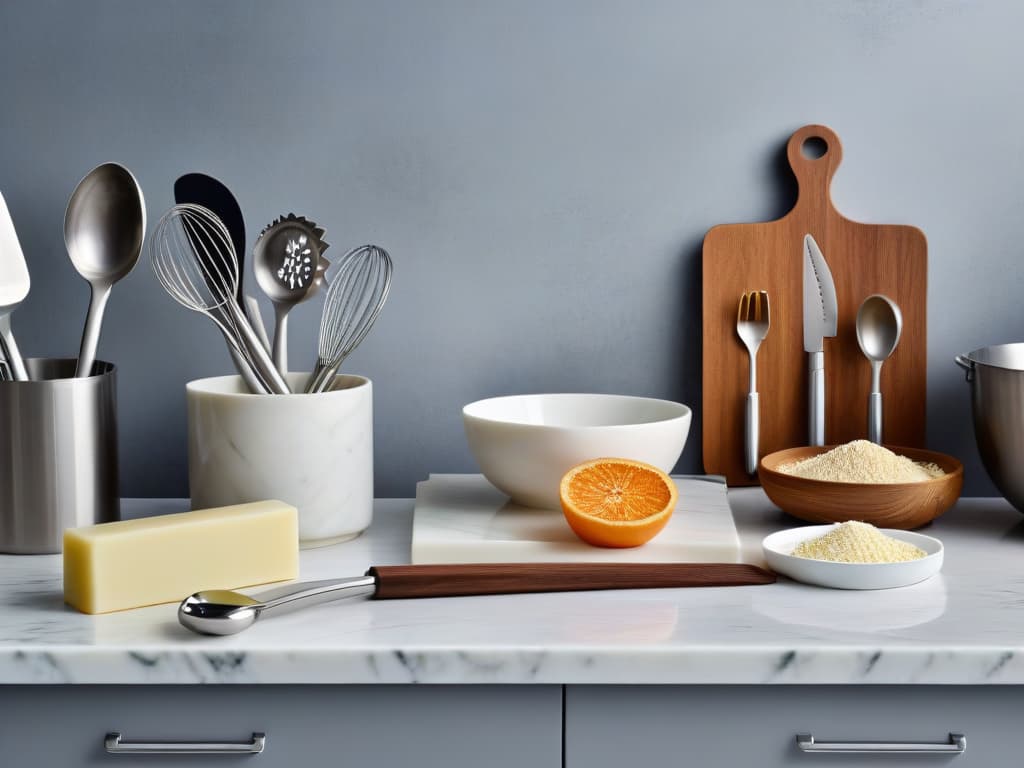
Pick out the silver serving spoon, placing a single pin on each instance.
(879, 324)
(104, 229)
(225, 612)
(286, 263)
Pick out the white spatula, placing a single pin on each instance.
(14, 285)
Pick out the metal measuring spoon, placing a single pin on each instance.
(104, 229)
(286, 262)
(879, 324)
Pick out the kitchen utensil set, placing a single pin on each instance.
(879, 323)
(194, 260)
(198, 258)
(104, 228)
(862, 260)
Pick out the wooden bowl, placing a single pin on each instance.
(889, 505)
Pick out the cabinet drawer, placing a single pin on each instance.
(738, 726)
(361, 726)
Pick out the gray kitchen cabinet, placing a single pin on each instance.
(735, 726)
(364, 726)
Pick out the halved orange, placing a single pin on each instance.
(617, 502)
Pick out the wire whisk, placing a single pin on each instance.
(355, 296)
(195, 261)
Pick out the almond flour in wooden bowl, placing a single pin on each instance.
(893, 488)
(862, 462)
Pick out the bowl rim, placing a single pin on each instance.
(924, 454)
(682, 411)
(823, 528)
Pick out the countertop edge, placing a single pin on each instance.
(855, 665)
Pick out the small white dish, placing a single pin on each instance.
(778, 552)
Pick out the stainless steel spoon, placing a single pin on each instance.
(104, 229)
(225, 612)
(879, 324)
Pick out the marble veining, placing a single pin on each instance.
(963, 626)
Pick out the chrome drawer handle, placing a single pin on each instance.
(956, 745)
(115, 745)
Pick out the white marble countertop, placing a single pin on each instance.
(964, 626)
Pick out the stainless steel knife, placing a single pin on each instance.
(820, 319)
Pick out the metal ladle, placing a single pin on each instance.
(879, 324)
(104, 229)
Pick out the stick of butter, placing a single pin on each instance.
(163, 559)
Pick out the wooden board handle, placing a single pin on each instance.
(402, 581)
(814, 174)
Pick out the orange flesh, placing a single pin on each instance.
(618, 491)
(617, 502)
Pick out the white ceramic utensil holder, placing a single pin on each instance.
(312, 451)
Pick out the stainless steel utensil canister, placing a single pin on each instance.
(58, 454)
(996, 376)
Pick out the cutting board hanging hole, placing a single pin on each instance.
(814, 148)
(814, 153)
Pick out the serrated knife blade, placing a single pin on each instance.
(820, 319)
(820, 306)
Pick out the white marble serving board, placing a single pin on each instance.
(464, 519)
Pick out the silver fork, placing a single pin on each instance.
(753, 319)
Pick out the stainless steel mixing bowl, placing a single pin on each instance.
(996, 376)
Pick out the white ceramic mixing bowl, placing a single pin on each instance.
(525, 443)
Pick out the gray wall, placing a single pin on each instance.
(543, 172)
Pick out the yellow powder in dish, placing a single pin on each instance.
(854, 542)
(862, 462)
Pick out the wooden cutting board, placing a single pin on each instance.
(864, 259)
